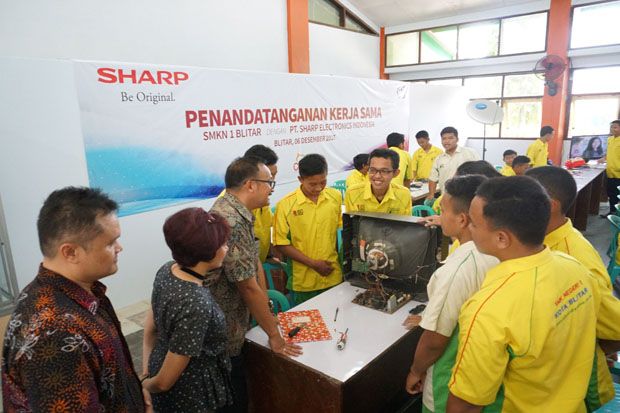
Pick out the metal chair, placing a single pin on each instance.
(422, 211)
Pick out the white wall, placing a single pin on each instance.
(343, 52)
(434, 107)
(236, 34)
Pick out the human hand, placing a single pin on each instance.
(415, 382)
(412, 321)
(431, 221)
(148, 403)
(280, 346)
(323, 267)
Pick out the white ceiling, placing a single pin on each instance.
(388, 13)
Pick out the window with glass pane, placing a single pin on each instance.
(597, 80)
(478, 39)
(523, 85)
(350, 23)
(447, 82)
(591, 115)
(402, 49)
(523, 34)
(324, 11)
(595, 25)
(484, 87)
(477, 130)
(521, 118)
(438, 45)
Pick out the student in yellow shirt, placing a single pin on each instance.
(538, 151)
(305, 228)
(423, 158)
(396, 142)
(360, 173)
(527, 337)
(450, 286)
(613, 165)
(562, 236)
(521, 164)
(380, 194)
(508, 156)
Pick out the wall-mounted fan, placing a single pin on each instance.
(487, 112)
(548, 69)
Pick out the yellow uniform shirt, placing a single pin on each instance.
(423, 161)
(405, 165)
(312, 229)
(397, 199)
(570, 241)
(262, 228)
(356, 177)
(538, 152)
(527, 338)
(613, 157)
(508, 171)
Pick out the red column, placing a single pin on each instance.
(554, 107)
(382, 74)
(298, 37)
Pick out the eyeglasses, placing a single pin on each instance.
(270, 182)
(381, 172)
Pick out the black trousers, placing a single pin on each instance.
(240, 388)
(612, 193)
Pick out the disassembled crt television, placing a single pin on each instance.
(391, 256)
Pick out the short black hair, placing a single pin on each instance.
(518, 204)
(421, 134)
(312, 164)
(477, 168)
(240, 170)
(264, 153)
(395, 139)
(449, 129)
(545, 130)
(462, 189)
(508, 152)
(559, 183)
(520, 160)
(617, 122)
(386, 154)
(360, 160)
(70, 215)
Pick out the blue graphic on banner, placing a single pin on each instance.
(143, 179)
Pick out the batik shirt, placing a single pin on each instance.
(239, 265)
(64, 351)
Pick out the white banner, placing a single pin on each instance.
(156, 136)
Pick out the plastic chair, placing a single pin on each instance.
(279, 300)
(613, 269)
(267, 267)
(341, 186)
(613, 406)
(422, 211)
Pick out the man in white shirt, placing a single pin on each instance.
(450, 286)
(445, 165)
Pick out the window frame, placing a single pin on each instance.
(572, 19)
(458, 25)
(499, 99)
(570, 95)
(344, 13)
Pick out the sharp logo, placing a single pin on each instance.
(155, 77)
